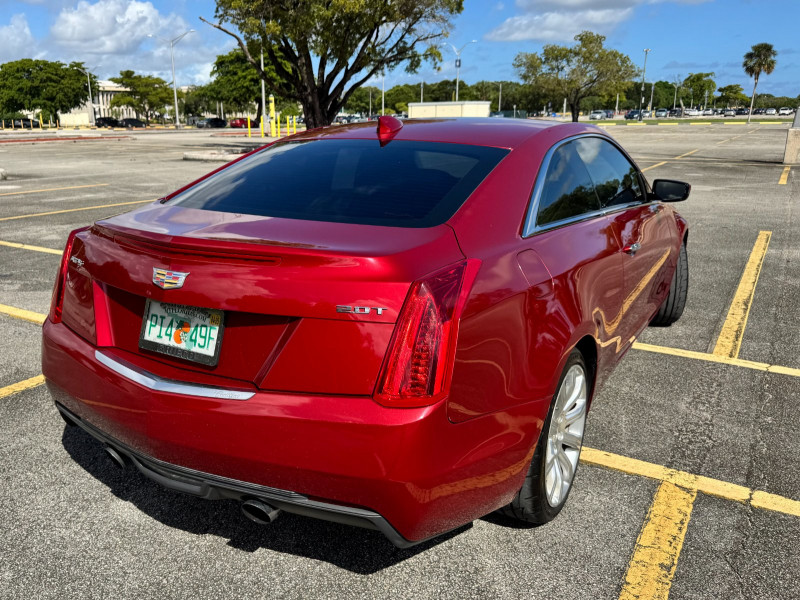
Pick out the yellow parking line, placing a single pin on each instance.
(21, 313)
(724, 360)
(688, 153)
(74, 187)
(21, 386)
(29, 247)
(666, 124)
(654, 166)
(69, 210)
(659, 545)
(635, 124)
(784, 176)
(734, 123)
(730, 338)
(775, 503)
(709, 124)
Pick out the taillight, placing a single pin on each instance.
(420, 359)
(57, 302)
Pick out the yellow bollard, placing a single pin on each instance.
(294, 124)
(248, 126)
(40, 124)
(262, 126)
(288, 128)
(278, 124)
(271, 115)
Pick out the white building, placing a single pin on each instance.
(430, 110)
(102, 93)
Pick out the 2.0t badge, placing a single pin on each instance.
(167, 279)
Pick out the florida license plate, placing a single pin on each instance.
(186, 332)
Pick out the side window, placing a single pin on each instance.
(567, 190)
(615, 179)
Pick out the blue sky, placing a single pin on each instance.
(685, 36)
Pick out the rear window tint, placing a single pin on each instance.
(403, 184)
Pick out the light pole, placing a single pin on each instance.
(500, 98)
(172, 43)
(644, 70)
(383, 94)
(421, 83)
(89, 81)
(458, 52)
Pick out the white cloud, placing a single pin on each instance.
(16, 39)
(110, 26)
(557, 26)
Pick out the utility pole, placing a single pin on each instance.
(421, 83)
(705, 100)
(650, 106)
(616, 107)
(383, 94)
(369, 116)
(172, 56)
(91, 103)
(500, 99)
(458, 52)
(644, 70)
(263, 92)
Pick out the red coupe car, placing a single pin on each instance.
(405, 338)
(239, 123)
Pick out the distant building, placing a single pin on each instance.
(429, 110)
(103, 92)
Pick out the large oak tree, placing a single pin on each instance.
(51, 86)
(323, 50)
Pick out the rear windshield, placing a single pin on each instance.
(403, 184)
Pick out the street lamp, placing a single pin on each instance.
(458, 52)
(500, 98)
(172, 56)
(644, 70)
(89, 81)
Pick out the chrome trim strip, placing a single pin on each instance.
(530, 228)
(158, 384)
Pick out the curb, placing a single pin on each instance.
(211, 156)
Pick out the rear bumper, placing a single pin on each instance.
(214, 487)
(409, 473)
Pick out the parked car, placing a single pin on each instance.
(662, 113)
(742, 111)
(646, 114)
(597, 115)
(107, 122)
(691, 112)
(675, 112)
(759, 111)
(632, 114)
(240, 122)
(708, 112)
(610, 114)
(356, 344)
(770, 111)
(132, 123)
(212, 123)
(21, 123)
(729, 112)
(785, 110)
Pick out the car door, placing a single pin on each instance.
(645, 232)
(568, 232)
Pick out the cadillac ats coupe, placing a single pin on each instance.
(398, 328)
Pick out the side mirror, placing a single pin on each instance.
(668, 190)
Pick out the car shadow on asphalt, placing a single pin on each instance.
(358, 550)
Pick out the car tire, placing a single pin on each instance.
(672, 307)
(541, 497)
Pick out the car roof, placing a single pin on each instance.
(500, 133)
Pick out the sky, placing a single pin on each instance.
(685, 36)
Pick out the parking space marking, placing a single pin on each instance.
(33, 248)
(775, 503)
(785, 175)
(59, 189)
(655, 557)
(21, 313)
(730, 338)
(69, 210)
(735, 362)
(654, 166)
(688, 153)
(21, 386)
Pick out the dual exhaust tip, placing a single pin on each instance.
(255, 510)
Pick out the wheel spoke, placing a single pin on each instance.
(571, 439)
(558, 484)
(566, 467)
(576, 412)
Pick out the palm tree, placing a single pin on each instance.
(760, 59)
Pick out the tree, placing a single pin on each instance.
(53, 87)
(760, 59)
(148, 96)
(732, 95)
(359, 101)
(698, 85)
(322, 51)
(585, 69)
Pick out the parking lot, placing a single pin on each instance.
(690, 482)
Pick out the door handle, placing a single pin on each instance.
(632, 249)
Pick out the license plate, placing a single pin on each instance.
(187, 332)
